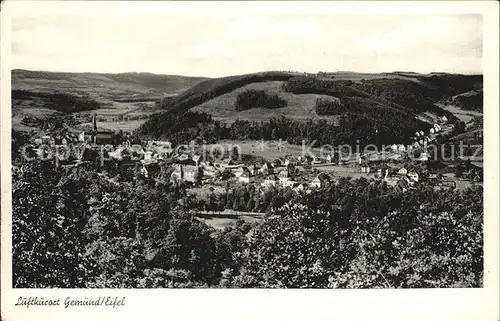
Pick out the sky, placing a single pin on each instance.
(227, 44)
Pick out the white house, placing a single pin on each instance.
(394, 147)
(317, 160)
(245, 178)
(266, 169)
(253, 169)
(291, 161)
(284, 177)
(240, 171)
(81, 137)
(365, 168)
(413, 176)
(185, 172)
(288, 183)
(432, 130)
(144, 171)
(315, 183)
(401, 148)
(402, 171)
(396, 157)
(298, 187)
(423, 157)
(148, 155)
(270, 181)
(421, 133)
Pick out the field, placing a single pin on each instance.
(127, 99)
(267, 150)
(116, 116)
(227, 218)
(464, 115)
(300, 107)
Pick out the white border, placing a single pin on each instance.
(178, 304)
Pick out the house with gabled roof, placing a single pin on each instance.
(241, 170)
(245, 178)
(382, 170)
(185, 173)
(291, 160)
(424, 157)
(253, 169)
(299, 187)
(267, 169)
(315, 183)
(412, 175)
(269, 181)
(402, 171)
(320, 181)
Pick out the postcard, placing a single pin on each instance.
(249, 160)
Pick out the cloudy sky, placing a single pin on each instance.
(225, 44)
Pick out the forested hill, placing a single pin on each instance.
(389, 102)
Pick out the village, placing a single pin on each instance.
(400, 166)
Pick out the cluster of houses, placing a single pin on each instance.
(284, 173)
(421, 139)
(193, 168)
(400, 178)
(75, 136)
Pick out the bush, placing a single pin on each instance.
(258, 98)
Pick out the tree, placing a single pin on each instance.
(48, 218)
(358, 235)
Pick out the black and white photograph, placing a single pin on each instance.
(246, 150)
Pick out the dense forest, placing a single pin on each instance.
(63, 102)
(391, 102)
(258, 99)
(451, 84)
(353, 128)
(79, 228)
(211, 88)
(472, 100)
(313, 85)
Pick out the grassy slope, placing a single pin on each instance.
(299, 106)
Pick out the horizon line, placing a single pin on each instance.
(237, 74)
